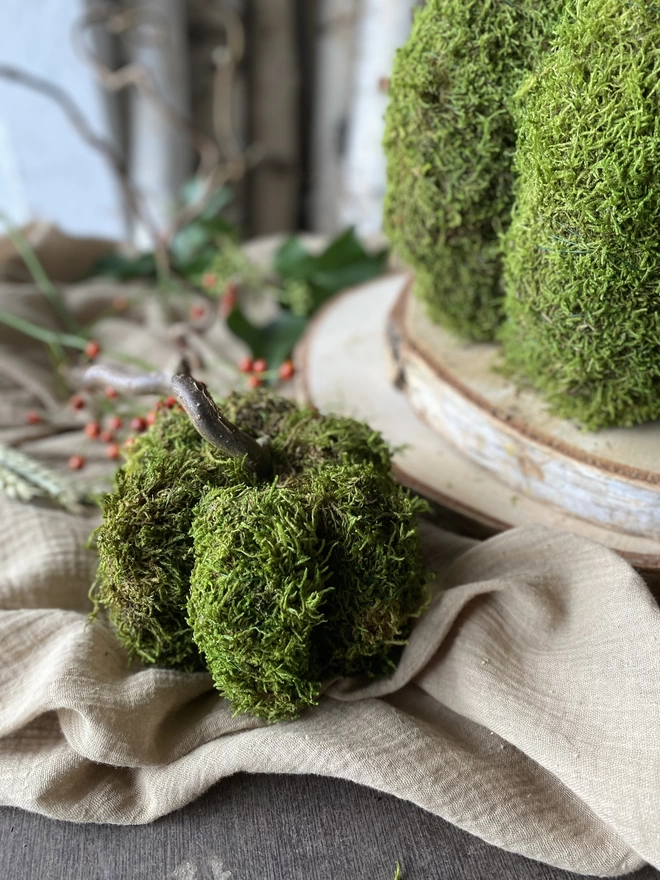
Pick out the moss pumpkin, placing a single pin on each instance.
(583, 250)
(450, 140)
(277, 585)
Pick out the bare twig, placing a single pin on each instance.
(219, 162)
(101, 376)
(226, 59)
(135, 75)
(101, 145)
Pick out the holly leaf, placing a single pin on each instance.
(187, 243)
(192, 193)
(241, 327)
(332, 281)
(216, 203)
(197, 240)
(281, 336)
(199, 264)
(344, 263)
(125, 268)
(344, 251)
(292, 260)
(274, 341)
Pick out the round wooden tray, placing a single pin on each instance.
(488, 454)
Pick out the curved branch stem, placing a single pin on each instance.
(198, 404)
(103, 146)
(216, 429)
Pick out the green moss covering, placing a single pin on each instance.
(145, 549)
(276, 586)
(295, 586)
(450, 140)
(583, 252)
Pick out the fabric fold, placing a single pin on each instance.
(525, 708)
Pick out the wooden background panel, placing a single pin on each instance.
(274, 79)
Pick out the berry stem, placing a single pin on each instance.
(57, 341)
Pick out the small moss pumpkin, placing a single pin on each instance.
(275, 585)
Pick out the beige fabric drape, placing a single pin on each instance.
(526, 708)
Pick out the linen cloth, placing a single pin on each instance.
(525, 709)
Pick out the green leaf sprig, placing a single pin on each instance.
(304, 283)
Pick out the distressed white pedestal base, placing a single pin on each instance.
(484, 451)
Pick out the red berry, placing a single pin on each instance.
(150, 417)
(114, 423)
(287, 370)
(209, 280)
(229, 298)
(260, 365)
(77, 402)
(92, 349)
(254, 381)
(112, 451)
(76, 462)
(128, 442)
(170, 402)
(197, 312)
(138, 424)
(106, 436)
(92, 430)
(246, 365)
(32, 417)
(110, 393)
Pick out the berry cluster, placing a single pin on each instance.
(257, 370)
(110, 430)
(106, 426)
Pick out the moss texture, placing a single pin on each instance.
(333, 581)
(276, 586)
(450, 140)
(582, 253)
(144, 545)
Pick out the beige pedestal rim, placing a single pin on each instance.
(347, 366)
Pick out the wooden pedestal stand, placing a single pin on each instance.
(488, 454)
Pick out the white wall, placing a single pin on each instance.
(46, 170)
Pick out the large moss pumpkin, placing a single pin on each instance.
(450, 140)
(583, 249)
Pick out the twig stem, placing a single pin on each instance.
(56, 341)
(198, 405)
